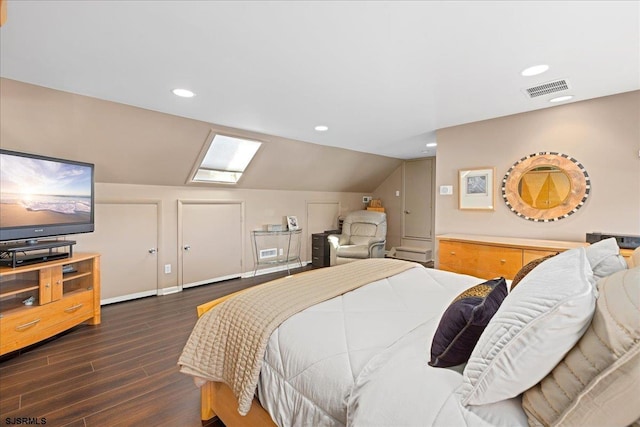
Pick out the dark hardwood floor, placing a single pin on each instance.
(120, 373)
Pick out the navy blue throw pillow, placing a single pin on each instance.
(463, 322)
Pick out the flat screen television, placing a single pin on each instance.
(43, 197)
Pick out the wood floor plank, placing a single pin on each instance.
(24, 364)
(151, 408)
(42, 407)
(9, 404)
(113, 396)
(12, 385)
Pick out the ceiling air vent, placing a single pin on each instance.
(547, 88)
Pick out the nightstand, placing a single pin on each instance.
(320, 252)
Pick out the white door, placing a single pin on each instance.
(211, 241)
(126, 236)
(418, 198)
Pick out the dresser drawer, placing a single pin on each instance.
(453, 255)
(495, 261)
(32, 324)
(529, 255)
(484, 261)
(319, 241)
(319, 251)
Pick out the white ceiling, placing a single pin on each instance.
(382, 75)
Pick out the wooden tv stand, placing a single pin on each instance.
(61, 300)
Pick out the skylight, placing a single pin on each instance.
(226, 159)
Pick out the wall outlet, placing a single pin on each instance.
(167, 268)
(366, 199)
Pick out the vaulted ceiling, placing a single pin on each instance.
(382, 75)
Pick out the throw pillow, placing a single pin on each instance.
(605, 259)
(597, 382)
(526, 269)
(536, 325)
(463, 322)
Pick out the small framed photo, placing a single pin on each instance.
(476, 189)
(292, 223)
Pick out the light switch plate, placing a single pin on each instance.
(446, 190)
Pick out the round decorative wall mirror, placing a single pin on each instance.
(545, 187)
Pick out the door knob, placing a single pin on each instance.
(187, 247)
(153, 250)
(407, 212)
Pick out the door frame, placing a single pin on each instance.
(181, 204)
(158, 204)
(431, 238)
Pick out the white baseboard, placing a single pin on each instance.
(212, 280)
(128, 297)
(169, 290)
(275, 269)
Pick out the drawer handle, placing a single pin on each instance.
(452, 253)
(315, 247)
(503, 261)
(27, 325)
(73, 308)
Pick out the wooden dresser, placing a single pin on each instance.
(64, 292)
(488, 257)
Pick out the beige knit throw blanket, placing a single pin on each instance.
(229, 341)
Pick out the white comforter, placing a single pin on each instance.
(361, 360)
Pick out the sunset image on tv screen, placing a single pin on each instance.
(43, 192)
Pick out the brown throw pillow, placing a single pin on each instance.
(527, 269)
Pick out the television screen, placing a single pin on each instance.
(44, 196)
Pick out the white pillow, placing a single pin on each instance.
(538, 322)
(604, 258)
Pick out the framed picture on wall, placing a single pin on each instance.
(292, 223)
(476, 189)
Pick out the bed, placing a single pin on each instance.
(359, 357)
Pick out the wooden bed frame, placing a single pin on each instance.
(217, 399)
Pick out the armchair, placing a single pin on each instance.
(363, 236)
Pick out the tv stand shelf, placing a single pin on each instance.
(60, 300)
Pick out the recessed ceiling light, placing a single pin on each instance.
(561, 98)
(432, 144)
(535, 70)
(184, 93)
(322, 128)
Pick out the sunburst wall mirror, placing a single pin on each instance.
(545, 187)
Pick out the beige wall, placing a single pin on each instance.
(261, 207)
(603, 134)
(131, 145)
